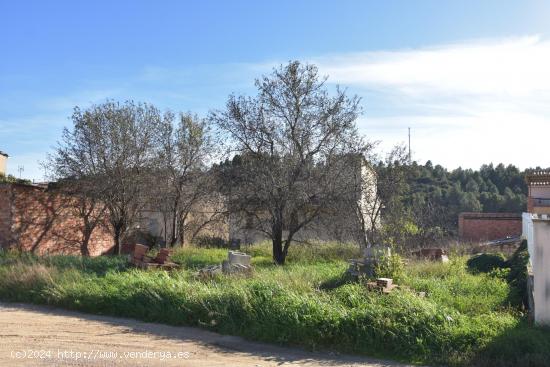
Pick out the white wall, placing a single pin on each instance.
(527, 234)
(3, 164)
(539, 252)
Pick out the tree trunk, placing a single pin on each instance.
(174, 224)
(181, 229)
(118, 248)
(84, 245)
(279, 255)
(173, 234)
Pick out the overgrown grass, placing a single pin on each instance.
(464, 319)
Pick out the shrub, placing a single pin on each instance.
(518, 274)
(484, 263)
(390, 267)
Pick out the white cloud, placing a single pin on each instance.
(509, 67)
(467, 104)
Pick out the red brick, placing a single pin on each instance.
(488, 226)
(43, 221)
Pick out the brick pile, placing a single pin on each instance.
(138, 257)
(383, 285)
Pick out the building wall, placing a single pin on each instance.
(47, 222)
(540, 253)
(538, 192)
(3, 164)
(5, 215)
(488, 226)
(204, 220)
(538, 183)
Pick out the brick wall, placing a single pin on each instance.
(488, 226)
(44, 221)
(5, 215)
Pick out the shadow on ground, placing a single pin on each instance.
(522, 346)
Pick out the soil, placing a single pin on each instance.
(42, 336)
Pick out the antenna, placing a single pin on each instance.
(410, 160)
(20, 169)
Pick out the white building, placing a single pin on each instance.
(536, 229)
(3, 163)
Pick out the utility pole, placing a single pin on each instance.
(20, 169)
(410, 158)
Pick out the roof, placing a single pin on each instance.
(538, 178)
(4, 154)
(480, 215)
(539, 217)
(21, 183)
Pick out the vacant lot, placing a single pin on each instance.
(464, 319)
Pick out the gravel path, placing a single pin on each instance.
(42, 336)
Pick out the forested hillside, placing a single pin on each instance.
(427, 199)
(489, 189)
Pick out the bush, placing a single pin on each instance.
(518, 274)
(484, 263)
(390, 267)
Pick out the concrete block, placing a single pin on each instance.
(384, 282)
(235, 257)
(229, 268)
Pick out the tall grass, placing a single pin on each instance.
(462, 320)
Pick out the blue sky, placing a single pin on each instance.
(471, 78)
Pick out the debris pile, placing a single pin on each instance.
(139, 258)
(384, 285)
(433, 254)
(237, 262)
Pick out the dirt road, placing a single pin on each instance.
(42, 336)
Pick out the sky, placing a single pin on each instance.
(471, 78)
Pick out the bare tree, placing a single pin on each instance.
(185, 186)
(292, 138)
(107, 155)
(82, 200)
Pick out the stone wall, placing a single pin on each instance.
(44, 221)
(488, 226)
